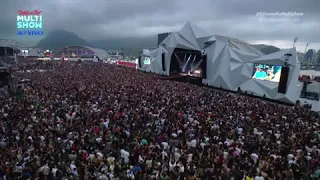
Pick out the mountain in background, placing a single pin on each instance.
(266, 49)
(119, 43)
(129, 46)
(60, 38)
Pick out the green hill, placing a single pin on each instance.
(60, 38)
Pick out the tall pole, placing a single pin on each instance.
(306, 47)
(295, 40)
(305, 53)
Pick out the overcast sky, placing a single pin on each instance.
(100, 19)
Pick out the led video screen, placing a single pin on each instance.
(267, 72)
(146, 60)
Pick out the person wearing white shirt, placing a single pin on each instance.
(164, 154)
(106, 124)
(130, 174)
(74, 169)
(125, 155)
(181, 168)
(240, 130)
(177, 156)
(99, 139)
(225, 155)
(254, 157)
(258, 178)
(172, 165)
(54, 171)
(189, 158)
(165, 145)
(111, 163)
(149, 163)
(290, 156)
(193, 143)
(45, 170)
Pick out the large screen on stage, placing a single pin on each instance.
(146, 60)
(267, 72)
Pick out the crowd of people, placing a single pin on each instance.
(7, 61)
(101, 121)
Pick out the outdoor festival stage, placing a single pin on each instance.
(227, 63)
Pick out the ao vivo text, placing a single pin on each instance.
(30, 33)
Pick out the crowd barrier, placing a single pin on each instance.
(128, 64)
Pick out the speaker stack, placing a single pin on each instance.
(284, 76)
(139, 60)
(204, 65)
(163, 60)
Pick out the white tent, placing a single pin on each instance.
(102, 54)
(230, 62)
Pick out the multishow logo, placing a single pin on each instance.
(29, 23)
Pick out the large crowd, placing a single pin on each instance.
(100, 121)
(7, 61)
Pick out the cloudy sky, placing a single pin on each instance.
(102, 19)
